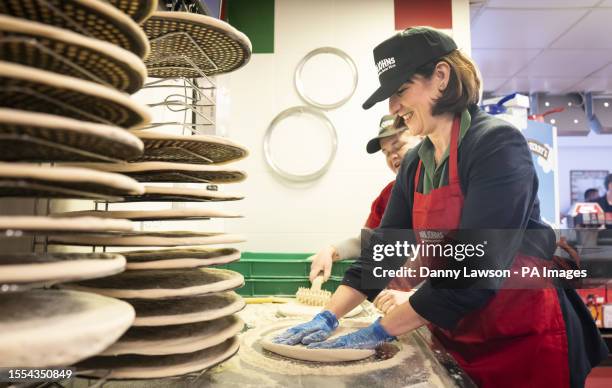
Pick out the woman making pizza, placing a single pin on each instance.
(471, 172)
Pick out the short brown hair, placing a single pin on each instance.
(463, 86)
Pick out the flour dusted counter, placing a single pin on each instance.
(416, 360)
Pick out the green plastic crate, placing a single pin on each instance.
(279, 265)
(271, 265)
(281, 286)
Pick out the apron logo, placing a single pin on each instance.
(385, 64)
(431, 235)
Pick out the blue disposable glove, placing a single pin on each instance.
(367, 338)
(316, 330)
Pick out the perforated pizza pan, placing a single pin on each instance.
(39, 137)
(202, 149)
(27, 88)
(170, 172)
(95, 18)
(139, 10)
(213, 45)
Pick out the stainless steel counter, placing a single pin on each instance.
(420, 362)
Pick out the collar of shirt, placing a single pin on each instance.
(434, 173)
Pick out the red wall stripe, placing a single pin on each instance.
(434, 13)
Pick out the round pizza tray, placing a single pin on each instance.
(162, 284)
(179, 258)
(147, 239)
(95, 18)
(214, 46)
(188, 309)
(31, 89)
(31, 180)
(42, 224)
(175, 339)
(47, 328)
(148, 367)
(181, 194)
(139, 10)
(152, 215)
(50, 268)
(68, 53)
(170, 172)
(201, 149)
(41, 137)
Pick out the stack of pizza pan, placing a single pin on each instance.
(67, 68)
(183, 308)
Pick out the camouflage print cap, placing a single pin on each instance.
(386, 128)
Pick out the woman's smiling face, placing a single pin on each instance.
(413, 102)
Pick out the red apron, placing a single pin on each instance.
(518, 338)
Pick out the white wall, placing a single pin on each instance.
(287, 217)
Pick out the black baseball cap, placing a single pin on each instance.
(398, 57)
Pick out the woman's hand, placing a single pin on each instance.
(387, 300)
(322, 262)
(317, 330)
(367, 338)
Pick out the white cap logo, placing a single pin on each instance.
(385, 64)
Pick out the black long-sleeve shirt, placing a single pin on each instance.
(499, 185)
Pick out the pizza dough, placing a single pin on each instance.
(295, 309)
(220, 47)
(44, 328)
(32, 180)
(38, 90)
(39, 45)
(146, 239)
(181, 194)
(72, 225)
(200, 308)
(98, 18)
(139, 10)
(301, 352)
(41, 137)
(149, 367)
(170, 172)
(175, 339)
(52, 268)
(152, 215)
(179, 258)
(196, 149)
(159, 284)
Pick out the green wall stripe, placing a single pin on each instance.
(255, 18)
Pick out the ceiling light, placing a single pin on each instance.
(606, 104)
(575, 121)
(552, 121)
(547, 103)
(569, 103)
